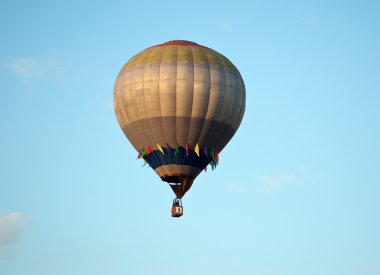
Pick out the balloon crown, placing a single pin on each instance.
(179, 43)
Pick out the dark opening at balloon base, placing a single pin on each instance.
(180, 185)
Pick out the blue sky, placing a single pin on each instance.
(297, 189)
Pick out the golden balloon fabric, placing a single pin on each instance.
(180, 94)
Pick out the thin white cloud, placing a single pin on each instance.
(236, 187)
(226, 26)
(10, 226)
(32, 67)
(312, 21)
(301, 176)
(274, 182)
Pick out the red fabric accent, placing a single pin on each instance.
(216, 157)
(187, 150)
(148, 150)
(179, 43)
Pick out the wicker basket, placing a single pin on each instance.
(177, 211)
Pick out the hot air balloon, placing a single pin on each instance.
(179, 104)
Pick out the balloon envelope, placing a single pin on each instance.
(174, 97)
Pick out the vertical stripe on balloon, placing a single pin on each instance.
(187, 150)
(176, 149)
